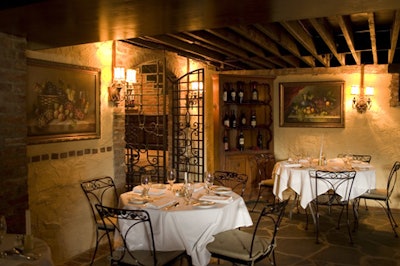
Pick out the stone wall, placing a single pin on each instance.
(13, 167)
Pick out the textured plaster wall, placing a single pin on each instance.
(60, 213)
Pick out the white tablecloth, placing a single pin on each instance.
(189, 227)
(297, 178)
(40, 247)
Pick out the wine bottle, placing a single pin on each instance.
(259, 140)
(243, 120)
(226, 142)
(240, 92)
(254, 92)
(233, 122)
(225, 93)
(253, 120)
(226, 120)
(241, 141)
(233, 94)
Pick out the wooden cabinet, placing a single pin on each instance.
(237, 138)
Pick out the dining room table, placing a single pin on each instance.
(179, 224)
(294, 175)
(12, 252)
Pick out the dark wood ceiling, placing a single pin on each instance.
(258, 34)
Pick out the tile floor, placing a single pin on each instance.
(374, 243)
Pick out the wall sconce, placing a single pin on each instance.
(119, 83)
(362, 96)
(195, 94)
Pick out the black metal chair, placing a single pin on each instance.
(237, 182)
(265, 164)
(382, 196)
(336, 188)
(100, 191)
(238, 246)
(134, 220)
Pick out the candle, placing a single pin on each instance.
(27, 222)
(322, 147)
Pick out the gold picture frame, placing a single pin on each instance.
(63, 102)
(311, 104)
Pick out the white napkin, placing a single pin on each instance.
(161, 203)
(152, 191)
(217, 199)
(293, 165)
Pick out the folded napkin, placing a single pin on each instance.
(293, 165)
(152, 191)
(161, 203)
(217, 199)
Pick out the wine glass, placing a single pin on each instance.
(188, 189)
(146, 185)
(209, 181)
(171, 177)
(3, 228)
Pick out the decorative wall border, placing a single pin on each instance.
(69, 154)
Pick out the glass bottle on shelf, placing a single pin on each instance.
(241, 141)
(226, 142)
(233, 94)
(253, 120)
(243, 119)
(225, 93)
(240, 92)
(254, 92)
(226, 120)
(259, 140)
(233, 122)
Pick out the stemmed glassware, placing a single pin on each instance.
(188, 189)
(208, 181)
(171, 177)
(146, 185)
(3, 228)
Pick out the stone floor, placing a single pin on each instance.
(374, 242)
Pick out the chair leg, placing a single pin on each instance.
(348, 223)
(258, 198)
(391, 219)
(96, 247)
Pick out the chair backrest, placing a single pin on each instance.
(265, 164)
(360, 157)
(133, 221)
(392, 179)
(340, 183)
(274, 213)
(231, 179)
(100, 191)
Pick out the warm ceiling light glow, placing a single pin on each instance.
(119, 73)
(355, 90)
(131, 76)
(369, 91)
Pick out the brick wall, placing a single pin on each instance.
(13, 167)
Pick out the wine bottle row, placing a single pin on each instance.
(241, 142)
(241, 93)
(232, 121)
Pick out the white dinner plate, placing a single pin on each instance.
(222, 190)
(138, 201)
(204, 204)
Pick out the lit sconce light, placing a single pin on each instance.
(119, 83)
(196, 93)
(362, 96)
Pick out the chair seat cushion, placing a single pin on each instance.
(236, 244)
(375, 194)
(267, 182)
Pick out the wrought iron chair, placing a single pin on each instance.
(100, 191)
(336, 188)
(382, 196)
(238, 246)
(231, 179)
(134, 220)
(265, 164)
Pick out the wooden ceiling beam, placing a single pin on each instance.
(345, 26)
(394, 36)
(326, 34)
(281, 37)
(372, 34)
(302, 36)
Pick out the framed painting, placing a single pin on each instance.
(311, 104)
(63, 102)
